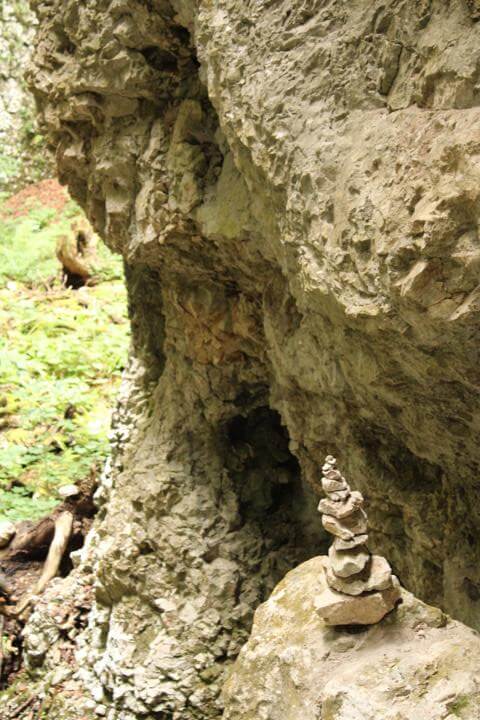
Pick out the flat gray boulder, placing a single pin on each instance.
(415, 664)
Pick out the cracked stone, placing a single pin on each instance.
(377, 575)
(345, 563)
(341, 508)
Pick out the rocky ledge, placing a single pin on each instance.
(416, 663)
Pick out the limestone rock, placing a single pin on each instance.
(341, 508)
(413, 664)
(339, 495)
(339, 609)
(376, 576)
(68, 491)
(334, 482)
(331, 524)
(351, 570)
(354, 524)
(348, 562)
(294, 189)
(340, 544)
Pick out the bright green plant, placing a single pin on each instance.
(9, 167)
(61, 356)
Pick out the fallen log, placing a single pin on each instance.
(31, 540)
(77, 252)
(49, 540)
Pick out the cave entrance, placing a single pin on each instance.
(273, 498)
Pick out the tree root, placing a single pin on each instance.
(62, 532)
(30, 541)
(52, 538)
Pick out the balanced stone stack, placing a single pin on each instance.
(361, 588)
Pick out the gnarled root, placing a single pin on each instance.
(59, 544)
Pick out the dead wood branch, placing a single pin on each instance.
(59, 544)
(30, 541)
(51, 539)
(63, 530)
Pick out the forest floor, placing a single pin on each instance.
(62, 352)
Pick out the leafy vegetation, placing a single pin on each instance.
(61, 355)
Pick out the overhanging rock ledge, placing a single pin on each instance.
(295, 190)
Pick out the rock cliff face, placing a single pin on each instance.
(22, 151)
(295, 189)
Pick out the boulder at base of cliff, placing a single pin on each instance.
(416, 663)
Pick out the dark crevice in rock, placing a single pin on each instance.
(267, 480)
(159, 59)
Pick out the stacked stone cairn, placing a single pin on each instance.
(360, 588)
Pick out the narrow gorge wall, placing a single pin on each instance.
(294, 187)
(22, 150)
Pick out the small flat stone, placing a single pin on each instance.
(66, 491)
(334, 527)
(338, 609)
(7, 531)
(355, 524)
(329, 485)
(345, 563)
(339, 495)
(332, 473)
(376, 576)
(341, 508)
(340, 544)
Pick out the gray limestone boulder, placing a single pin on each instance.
(416, 663)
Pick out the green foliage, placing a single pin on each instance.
(61, 356)
(18, 504)
(9, 168)
(21, 10)
(28, 122)
(27, 247)
(458, 705)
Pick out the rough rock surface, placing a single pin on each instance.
(339, 609)
(351, 571)
(348, 563)
(22, 151)
(295, 189)
(416, 663)
(376, 576)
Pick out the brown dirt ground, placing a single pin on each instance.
(48, 193)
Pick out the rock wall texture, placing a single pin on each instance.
(295, 189)
(22, 150)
